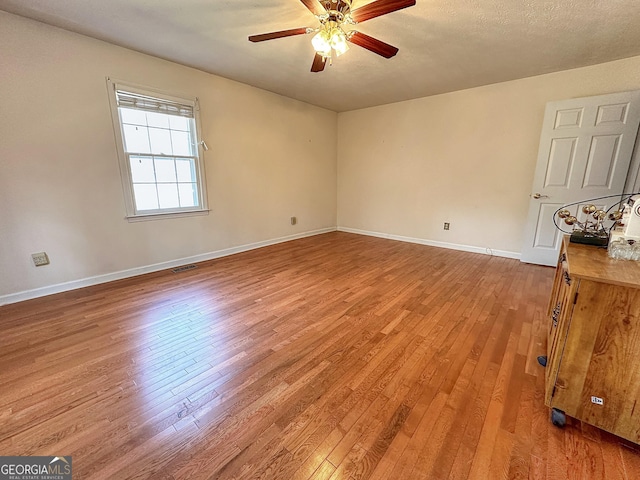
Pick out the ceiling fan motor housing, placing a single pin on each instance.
(337, 11)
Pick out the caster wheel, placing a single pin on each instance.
(558, 418)
(542, 360)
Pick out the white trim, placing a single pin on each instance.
(160, 216)
(132, 272)
(433, 243)
(110, 277)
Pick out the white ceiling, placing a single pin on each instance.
(445, 45)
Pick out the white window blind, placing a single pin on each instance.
(150, 104)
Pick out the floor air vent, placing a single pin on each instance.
(184, 268)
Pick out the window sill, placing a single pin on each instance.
(162, 216)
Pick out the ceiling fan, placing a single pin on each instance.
(331, 37)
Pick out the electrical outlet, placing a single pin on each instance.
(446, 225)
(294, 220)
(40, 259)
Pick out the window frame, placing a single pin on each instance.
(132, 214)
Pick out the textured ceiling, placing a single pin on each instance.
(445, 45)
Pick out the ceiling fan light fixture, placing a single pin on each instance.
(321, 42)
(339, 41)
(330, 36)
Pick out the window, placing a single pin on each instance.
(157, 138)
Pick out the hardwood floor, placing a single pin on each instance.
(332, 357)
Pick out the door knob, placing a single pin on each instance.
(538, 196)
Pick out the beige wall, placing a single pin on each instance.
(60, 192)
(402, 169)
(465, 157)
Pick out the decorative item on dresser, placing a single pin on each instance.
(598, 226)
(592, 371)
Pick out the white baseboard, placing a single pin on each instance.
(433, 243)
(132, 272)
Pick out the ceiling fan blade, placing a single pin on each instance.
(314, 6)
(373, 44)
(379, 7)
(318, 63)
(272, 35)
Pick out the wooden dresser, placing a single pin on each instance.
(593, 351)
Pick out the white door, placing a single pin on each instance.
(585, 151)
